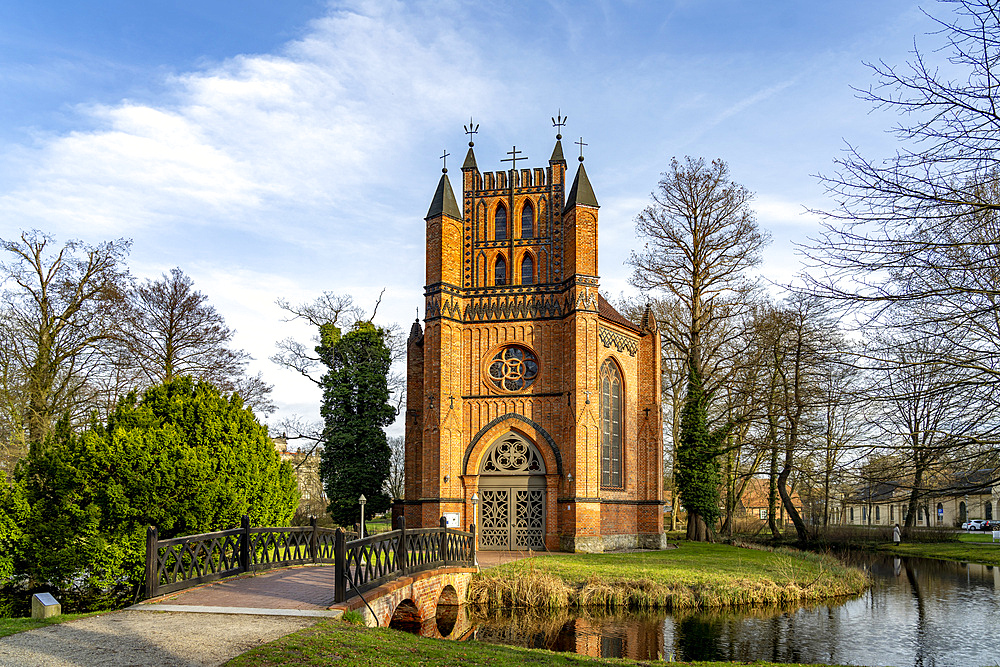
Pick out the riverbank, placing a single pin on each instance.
(694, 575)
(354, 646)
(968, 548)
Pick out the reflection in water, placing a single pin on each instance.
(595, 634)
(920, 612)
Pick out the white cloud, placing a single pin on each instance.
(312, 126)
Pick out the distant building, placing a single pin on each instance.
(312, 498)
(753, 505)
(970, 495)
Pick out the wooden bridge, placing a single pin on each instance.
(414, 579)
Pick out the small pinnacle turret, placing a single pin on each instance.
(582, 193)
(470, 159)
(557, 152)
(444, 202)
(415, 332)
(648, 322)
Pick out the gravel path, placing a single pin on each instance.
(145, 639)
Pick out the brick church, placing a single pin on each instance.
(526, 390)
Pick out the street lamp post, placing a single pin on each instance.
(475, 534)
(361, 528)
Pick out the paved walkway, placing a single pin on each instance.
(141, 639)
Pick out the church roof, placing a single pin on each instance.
(557, 154)
(415, 332)
(444, 201)
(607, 312)
(470, 160)
(581, 192)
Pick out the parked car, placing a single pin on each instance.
(992, 524)
(974, 524)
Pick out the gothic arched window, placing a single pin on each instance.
(500, 223)
(527, 270)
(611, 426)
(527, 221)
(500, 272)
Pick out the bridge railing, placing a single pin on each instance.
(373, 560)
(360, 564)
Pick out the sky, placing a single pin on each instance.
(283, 149)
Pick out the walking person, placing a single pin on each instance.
(895, 535)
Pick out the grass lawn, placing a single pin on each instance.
(10, 626)
(969, 547)
(693, 575)
(336, 642)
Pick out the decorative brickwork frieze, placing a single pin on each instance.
(618, 340)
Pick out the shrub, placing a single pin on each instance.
(183, 458)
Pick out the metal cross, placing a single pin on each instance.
(559, 122)
(444, 158)
(514, 158)
(581, 145)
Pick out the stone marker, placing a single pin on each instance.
(43, 605)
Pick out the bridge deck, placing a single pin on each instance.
(308, 587)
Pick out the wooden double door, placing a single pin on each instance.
(513, 518)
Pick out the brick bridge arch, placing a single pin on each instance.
(423, 590)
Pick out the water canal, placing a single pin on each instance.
(920, 612)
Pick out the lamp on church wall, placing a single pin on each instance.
(475, 527)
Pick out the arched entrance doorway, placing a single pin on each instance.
(512, 489)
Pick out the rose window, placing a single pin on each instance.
(513, 368)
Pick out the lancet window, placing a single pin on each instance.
(527, 221)
(500, 223)
(500, 271)
(527, 270)
(611, 426)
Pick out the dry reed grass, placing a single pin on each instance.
(790, 578)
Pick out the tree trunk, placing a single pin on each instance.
(697, 529)
(786, 499)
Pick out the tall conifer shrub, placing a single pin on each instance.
(355, 410)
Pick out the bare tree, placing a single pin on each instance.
(328, 308)
(172, 331)
(397, 468)
(928, 416)
(62, 304)
(701, 238)
(340, 311)
(914, 239)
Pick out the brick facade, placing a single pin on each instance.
(458, 408)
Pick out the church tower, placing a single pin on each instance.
(526, 391)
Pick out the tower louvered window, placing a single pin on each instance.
(500, 223)
(611, 426)
(527, 221)
(500, 272)
(527, 270)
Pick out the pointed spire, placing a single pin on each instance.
(648, 322)
(444, 202)
(557, 154)
(582, 193)
(470, 160)
(415, 332)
